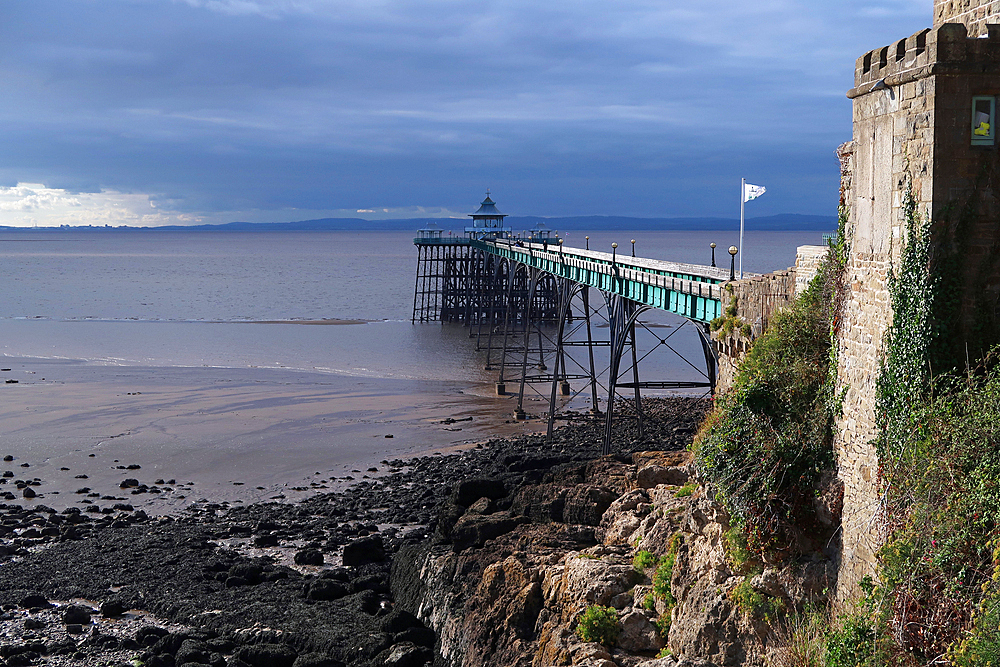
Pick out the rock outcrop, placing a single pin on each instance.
(508, 579)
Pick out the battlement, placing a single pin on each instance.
(976, 15)
(945, 49)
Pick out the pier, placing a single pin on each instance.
(534, 305)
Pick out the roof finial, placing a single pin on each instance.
(487, 193)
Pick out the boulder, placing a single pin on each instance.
(150, 634)
(34, 602)
(364, 551)
(655, 475)
(309, 557)
(112, 608)
(473, 530)
(467, 492)
(541, 503)
(266, 655)
(76, 614)
(638, 634)
(586, 504)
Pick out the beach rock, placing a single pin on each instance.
(28, 492)
(34, 601)
(399, 620)
(326, 589)
(420, 636)
(469, 491)
(150, 634)
(309, 557)
(316, 660)
(266, 540)
(192, 651)
(128, 483)
(364, 551)
(112, 608)
(405, 654)
(267, 655)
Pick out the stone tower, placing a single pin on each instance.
(925, 114)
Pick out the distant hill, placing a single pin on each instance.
(785, 221)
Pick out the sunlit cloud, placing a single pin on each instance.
(33, 204)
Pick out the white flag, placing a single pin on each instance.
(752, 191)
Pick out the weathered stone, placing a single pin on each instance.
(541, 502)
(655, 475)
(638, 634)
(586, 504)
(473, 530)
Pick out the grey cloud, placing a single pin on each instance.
(232, 105)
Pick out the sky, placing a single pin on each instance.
(154, 112)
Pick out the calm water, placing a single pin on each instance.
(196, 298)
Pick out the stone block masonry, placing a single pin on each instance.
(975, 14)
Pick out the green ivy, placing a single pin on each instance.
(904, 380)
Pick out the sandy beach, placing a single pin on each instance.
(223, 434)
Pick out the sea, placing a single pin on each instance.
(235, 299)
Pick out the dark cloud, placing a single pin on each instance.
(634, 107)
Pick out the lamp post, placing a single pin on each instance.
(712, 246)
(614, 252)
(560, 249)
(588, 242)
(732, 265)
(633, 247)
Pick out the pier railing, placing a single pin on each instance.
(689, 290)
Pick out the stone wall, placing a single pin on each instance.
(757, 300)
(807, 262)
(975, 14)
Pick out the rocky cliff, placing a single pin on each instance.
(510, 575)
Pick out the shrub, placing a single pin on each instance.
(754, 603)
(665, 572)
(853, 644)
(738, 554)
(940, 565)
(599, 624)
(686, 490)
(769, 438)
(643, 560)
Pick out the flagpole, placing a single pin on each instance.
(743, 197)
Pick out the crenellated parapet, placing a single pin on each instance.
(945, 49)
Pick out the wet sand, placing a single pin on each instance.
(237, 435)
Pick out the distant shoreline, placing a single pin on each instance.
(774, 223)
